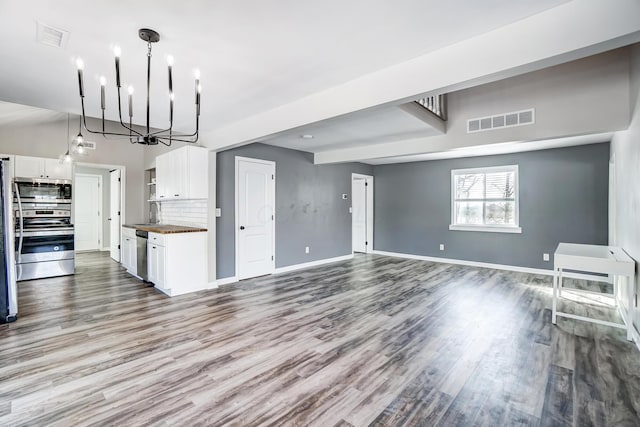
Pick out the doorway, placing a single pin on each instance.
(255, 217)
(113, 204)
(88, 212)
(361, 213)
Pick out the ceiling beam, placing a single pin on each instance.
(567, 32)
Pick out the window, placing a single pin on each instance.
(485, 199)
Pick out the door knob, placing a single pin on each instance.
(242, 227)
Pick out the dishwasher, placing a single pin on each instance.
(141, 248)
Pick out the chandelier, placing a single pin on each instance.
(165, 136)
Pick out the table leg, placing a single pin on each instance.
(559, 283)
(555, 296)
(631, 291)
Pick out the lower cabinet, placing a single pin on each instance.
(129, 251)
(156, 264)
(177, 262)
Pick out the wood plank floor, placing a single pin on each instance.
(372, 341)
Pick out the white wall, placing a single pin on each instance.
(626, 155)
(48, 137)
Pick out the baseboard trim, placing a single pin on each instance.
(107, 249)
(226, 281)
(490, 265)
(212, 285)
(310, 264)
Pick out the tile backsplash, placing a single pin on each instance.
(184, 212)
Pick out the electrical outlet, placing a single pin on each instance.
(545, 257)
(218, 212)
(442, 246)
(306, 249)
(350, 210)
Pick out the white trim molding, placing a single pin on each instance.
(310, 264)
(515, 268)
(497, 228)
(485, 228)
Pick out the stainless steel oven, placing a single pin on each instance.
(44, 232)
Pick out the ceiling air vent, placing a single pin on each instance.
(499, 121)
(51, 36)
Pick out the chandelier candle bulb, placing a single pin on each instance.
(171, 98)
(103, 82)
(130, 101)
(80, 65)
(117, 52)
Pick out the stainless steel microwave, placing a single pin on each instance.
(43, 190)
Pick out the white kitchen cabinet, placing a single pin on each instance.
(53, 169)
(156, 265)
(177, 263)
(37, 167)
(183, 174)
(129, 250)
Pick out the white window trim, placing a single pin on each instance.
(484, 227)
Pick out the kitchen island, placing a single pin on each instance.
(176, 256)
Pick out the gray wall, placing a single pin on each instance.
(309, 208)
(563, 198)
(106, 199)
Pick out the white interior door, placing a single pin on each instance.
(88, 212)
(362, 213)
(255, 230)
(114, 214)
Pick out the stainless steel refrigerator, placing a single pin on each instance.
(8, 289)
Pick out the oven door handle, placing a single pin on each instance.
(21, 221)
(44, 233)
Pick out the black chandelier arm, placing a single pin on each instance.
(191, 141)
(84, 121)
(173, 135)
(159, 132)
(130, 129)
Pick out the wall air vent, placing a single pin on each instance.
(500, 121)
(51, 36)
(89, 145)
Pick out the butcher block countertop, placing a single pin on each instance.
(165, 228)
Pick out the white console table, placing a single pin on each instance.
(596, 259)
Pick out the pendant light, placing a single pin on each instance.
(66, 157)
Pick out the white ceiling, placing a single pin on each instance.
(354, 130)
(253, 57)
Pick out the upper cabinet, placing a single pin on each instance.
(37, 167)
(183, 174)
